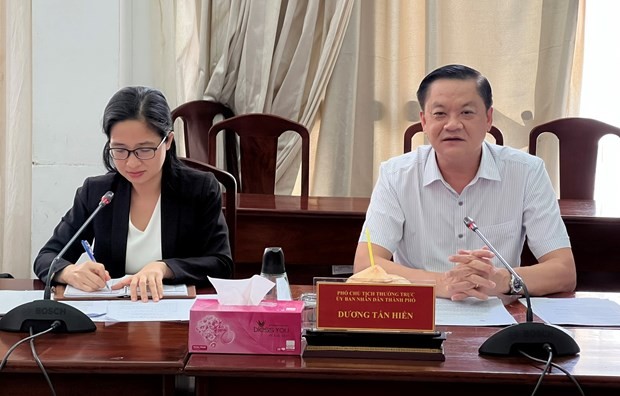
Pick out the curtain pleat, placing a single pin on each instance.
(15, 137)
(279, 58)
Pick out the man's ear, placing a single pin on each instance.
(489, 118)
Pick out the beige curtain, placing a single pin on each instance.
(15, 135)
(529, 49)
(278, 59)
(265, 56)
(369, 101)
(199, 38)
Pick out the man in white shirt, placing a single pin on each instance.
(416, 212)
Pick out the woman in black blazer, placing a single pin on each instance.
(165, 222)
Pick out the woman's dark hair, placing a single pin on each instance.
(456, 72)
(142, 104)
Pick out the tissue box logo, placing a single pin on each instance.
(270, 329)
(214, 331)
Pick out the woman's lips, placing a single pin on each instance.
(135, 174)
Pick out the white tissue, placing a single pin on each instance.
(241, 291)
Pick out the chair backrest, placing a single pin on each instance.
(578, 139)
(258, 135)
(197, 118)
(417, 127)
(231, 204)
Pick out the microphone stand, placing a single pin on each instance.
(529, 336)
(47, 294)
(40, 314)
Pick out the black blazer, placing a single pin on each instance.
(194, 234)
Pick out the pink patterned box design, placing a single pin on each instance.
(270, 328)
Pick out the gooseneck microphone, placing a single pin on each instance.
(529, 316)
(40, 314)
(51, 272)
(529, 336)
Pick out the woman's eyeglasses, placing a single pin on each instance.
(142, 153)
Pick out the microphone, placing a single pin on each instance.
(51, 272)
(529, 336)
(40, 314)
(529, 316)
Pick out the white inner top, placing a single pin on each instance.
(144, 247)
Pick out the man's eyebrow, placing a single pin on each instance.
(441, 106)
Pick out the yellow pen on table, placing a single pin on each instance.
(372, 258)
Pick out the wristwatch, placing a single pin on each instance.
(516, 286)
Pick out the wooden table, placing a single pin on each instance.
(145, 358)
(317, 233)
(141, 358)
(464, 372)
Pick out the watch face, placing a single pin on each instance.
(516, 285)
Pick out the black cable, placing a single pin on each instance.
(557, 366)
(35, 355)
(8, 353)
(545, 369)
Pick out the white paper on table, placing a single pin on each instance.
(169, 290)
(581, 311)
(135, 311)
(10, 299)
(472, 312)
(94, 309)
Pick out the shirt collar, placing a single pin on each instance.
(487, 169)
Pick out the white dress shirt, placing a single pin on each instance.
(418, 217)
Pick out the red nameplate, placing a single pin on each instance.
(366, 306)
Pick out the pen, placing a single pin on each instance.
(88, 250)
(91, 256)
(372, 258)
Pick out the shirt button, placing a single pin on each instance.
(460, 235)
(460, 203)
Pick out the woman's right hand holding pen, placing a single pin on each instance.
(88, 276)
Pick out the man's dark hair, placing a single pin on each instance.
(456, 72)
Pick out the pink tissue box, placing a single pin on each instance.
(270, 328)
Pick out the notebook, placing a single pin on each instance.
(69, 292)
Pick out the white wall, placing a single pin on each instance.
(76, 49)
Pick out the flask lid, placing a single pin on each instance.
(273, 261)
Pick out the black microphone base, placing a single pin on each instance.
(40, 314)
(529, 337)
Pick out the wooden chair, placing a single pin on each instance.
(231, 198)
(258, 143)
(198, 116)
(417, 127)
(578, 139)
